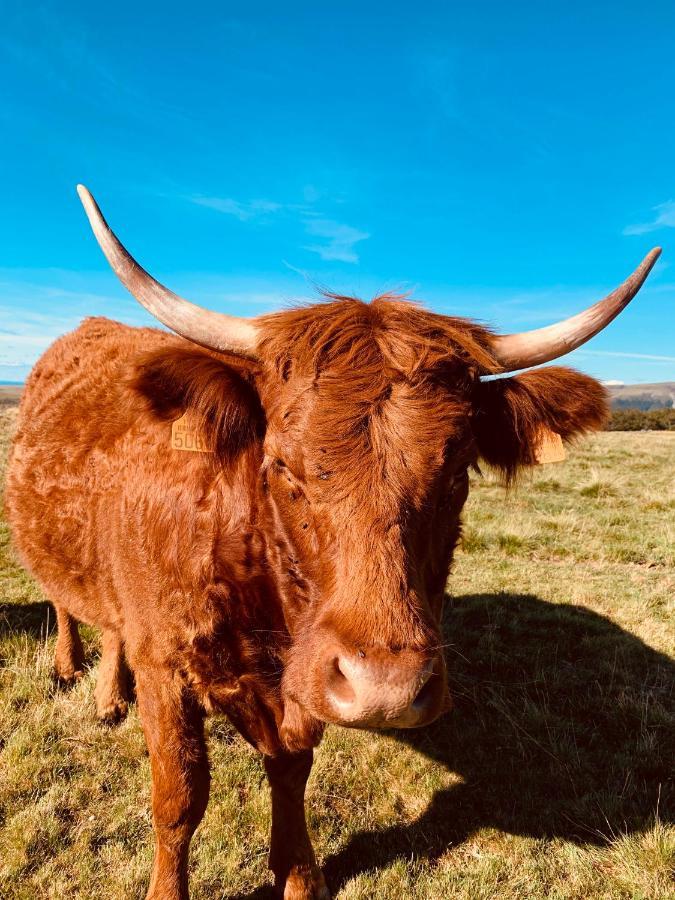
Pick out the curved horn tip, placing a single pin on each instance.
(648, 263)
(88, 202)
(83, 193)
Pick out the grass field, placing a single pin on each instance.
(551, 778)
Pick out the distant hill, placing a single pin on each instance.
(10, 393)
(643, 396)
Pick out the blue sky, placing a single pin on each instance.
(507, 162)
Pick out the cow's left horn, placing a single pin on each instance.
(530, 348)
(203, 326)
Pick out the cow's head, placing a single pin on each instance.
(374, 414)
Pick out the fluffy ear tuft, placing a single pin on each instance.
(222, 395)
(509, 413)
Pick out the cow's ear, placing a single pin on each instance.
(222, 394)
(510, 413)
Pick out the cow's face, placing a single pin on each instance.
(365, 480)
(366, 456)
(365, 439)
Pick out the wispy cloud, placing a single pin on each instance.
(336, 240)
(27, 337)
(242, 211)
(664, 218)
(650, 356)
(340, 239)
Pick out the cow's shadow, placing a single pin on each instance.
(36, 619)
(39, 621)
(562, 727)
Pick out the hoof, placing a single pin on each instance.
(65, 677)
(112, 712)
(306, 885)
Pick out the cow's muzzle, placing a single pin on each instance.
(379, 688)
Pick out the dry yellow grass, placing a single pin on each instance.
(552, 778)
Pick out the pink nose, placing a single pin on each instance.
(381, 689)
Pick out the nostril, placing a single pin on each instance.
(424, 696)
(338, 685)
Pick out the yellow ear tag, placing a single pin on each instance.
(549, 448)
(186, 434)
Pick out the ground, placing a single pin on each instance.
(549, 779)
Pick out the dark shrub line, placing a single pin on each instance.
(642, 420)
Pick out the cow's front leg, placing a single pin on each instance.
(296, 874)
(174, 732)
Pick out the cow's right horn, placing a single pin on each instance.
(218, 331)
(531, 348)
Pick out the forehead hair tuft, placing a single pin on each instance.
(391, 332)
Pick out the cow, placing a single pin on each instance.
(260, 516)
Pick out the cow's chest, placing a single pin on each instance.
(233, 660)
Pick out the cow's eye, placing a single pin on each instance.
(445, 498)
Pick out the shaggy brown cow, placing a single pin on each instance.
(290, 572)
